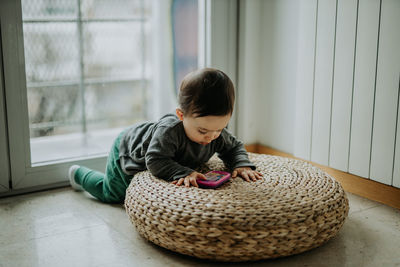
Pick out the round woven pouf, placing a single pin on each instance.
(296, 207)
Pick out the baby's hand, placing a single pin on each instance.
(246, 173)
(190, 179)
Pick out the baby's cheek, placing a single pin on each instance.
(197, 138)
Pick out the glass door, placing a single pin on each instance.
(77, 72)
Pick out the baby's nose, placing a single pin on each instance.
(211, 137)
(208, 137)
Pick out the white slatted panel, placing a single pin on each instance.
(305, 78)
(386, 95)
(343, 84)
(364, 87)
(323, 81)
(396, 37)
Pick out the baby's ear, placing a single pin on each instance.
(179, 113)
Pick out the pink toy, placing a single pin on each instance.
(214, 179)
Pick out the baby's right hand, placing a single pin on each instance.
(190, 179)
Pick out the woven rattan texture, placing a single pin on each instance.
(296, 207)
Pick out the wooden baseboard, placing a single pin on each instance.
(363, 187)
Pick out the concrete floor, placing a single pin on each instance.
(66, 228)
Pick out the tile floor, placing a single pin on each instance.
(62, 227)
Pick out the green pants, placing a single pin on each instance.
(109, 187)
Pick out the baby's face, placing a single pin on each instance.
(203, 130)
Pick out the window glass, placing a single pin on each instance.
(185, 38)
(89, 69)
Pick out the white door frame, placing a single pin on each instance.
(218, 32)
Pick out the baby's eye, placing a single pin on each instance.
(202, 132)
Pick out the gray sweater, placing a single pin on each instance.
(163, 148)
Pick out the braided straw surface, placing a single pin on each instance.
(296, 207)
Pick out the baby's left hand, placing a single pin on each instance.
(247, 173)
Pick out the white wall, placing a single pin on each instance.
(267, 72)
(249, 71)
(279, 35)
(319, 79)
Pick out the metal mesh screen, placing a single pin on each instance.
(85, 67)
(51, 53)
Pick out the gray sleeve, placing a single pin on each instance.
(161, 153)
(232, 152)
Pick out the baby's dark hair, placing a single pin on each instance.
(207, 92)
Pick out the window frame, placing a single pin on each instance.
(24, 176)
